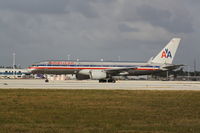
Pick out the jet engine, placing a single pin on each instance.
(97, 74)
(92, 74)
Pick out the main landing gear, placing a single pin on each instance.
(107, 81)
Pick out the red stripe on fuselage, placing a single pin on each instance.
(93, 68)
(67, 68)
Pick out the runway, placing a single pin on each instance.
(92, 84)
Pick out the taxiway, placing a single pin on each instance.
(91, 84)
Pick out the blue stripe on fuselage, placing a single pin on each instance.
(131, 66)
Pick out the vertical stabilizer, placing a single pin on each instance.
(167, 54)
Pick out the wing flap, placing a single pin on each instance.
(119, 70)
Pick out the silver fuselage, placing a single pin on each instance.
(73, 67)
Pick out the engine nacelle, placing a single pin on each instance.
(98, 74)
(93, 74)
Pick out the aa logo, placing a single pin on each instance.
(166, 54)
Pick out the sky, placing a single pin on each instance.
(134, 30)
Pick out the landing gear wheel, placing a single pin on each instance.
(107, 81)
(46, 80)
(102, 81)
(111, 81)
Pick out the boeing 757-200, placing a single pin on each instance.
(104, 71)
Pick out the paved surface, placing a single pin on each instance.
(120, 85)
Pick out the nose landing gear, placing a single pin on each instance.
(46, 79)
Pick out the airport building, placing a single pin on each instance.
(14, 73)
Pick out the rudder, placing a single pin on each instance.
(167, 54)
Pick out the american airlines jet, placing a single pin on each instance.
(104, 71)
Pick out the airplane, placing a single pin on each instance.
(104, 71)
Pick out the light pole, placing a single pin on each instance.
(119, 58)
(68, 57)
(14, 60)
(188, 76)
(14, 65)
(195, 68)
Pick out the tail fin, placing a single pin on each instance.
(167, 54)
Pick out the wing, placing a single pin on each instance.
(120, 70)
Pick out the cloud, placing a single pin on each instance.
(175, 23)
(35, 6)
(127, 28)
(93, 29)
(82, 7)
(58, 7)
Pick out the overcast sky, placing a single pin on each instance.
(93, 29)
